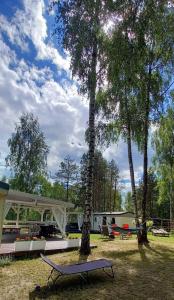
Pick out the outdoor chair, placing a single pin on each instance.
(81, 268)
(114, 232)
(125, 235)
(34, 230)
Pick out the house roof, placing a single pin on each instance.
(27, 199)
(115, 213)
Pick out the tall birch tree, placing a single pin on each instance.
(78, 27)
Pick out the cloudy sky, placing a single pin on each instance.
(35, 77)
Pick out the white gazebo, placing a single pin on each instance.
(18, 200)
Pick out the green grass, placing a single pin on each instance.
(141, 273)
(97, 237)
(94, 237)
(163, 239)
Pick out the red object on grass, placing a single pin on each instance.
(116, 233)
(125, 226)
(114, 225)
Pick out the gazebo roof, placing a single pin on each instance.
(26, 199)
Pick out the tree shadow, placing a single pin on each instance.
(142, 253)
(107, 240)
(125, 254)
(164, 252)
(119, 254)
(151, 267)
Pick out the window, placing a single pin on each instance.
(113, 221)
(104, 221)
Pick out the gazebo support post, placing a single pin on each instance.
(52, 217)
(42, 214)
(4, 187)
(17, 219)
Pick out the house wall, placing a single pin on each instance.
(96, 223)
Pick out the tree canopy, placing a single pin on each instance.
(163, 143)
(28, 153)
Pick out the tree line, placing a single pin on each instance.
(28, 161)
(69, 181)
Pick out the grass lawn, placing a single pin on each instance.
(141, 273)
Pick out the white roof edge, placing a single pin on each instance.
(113, 213)
(26, 197)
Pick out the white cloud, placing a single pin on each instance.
(119, 154)
(30, 23)
(62, 113)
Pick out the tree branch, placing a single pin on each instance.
(164, 92)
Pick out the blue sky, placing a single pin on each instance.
(35, 77)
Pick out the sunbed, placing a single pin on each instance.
(159, 232)
(82, 268)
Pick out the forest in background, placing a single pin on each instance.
(69, 181)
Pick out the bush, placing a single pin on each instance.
(5, 261)
(149, 223)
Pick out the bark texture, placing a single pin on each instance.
(85, 243)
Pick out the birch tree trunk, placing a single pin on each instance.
(143, 238)
(85, 243)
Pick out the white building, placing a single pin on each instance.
(108, 218)
(104, 218)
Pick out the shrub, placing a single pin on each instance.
(5, 261)
(149, 223)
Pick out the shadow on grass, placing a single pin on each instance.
(159, 254)
(107, 240)
(119, 254)
(142, 253)
(71, 285)
(161, 251)
(135, 279)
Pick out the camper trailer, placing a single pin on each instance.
(75, 220)
(108, 218)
